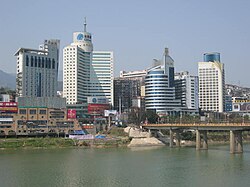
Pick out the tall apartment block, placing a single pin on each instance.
(125, 90)
(76, 67)
(86, 72)
(101, 75)
(211, 83)
(187, 90)
(37, 70)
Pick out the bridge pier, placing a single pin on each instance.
(149, 133)
(205, 144)
(236, 145)
(171, 138)
(239, 142)
(178, 139)
(198, 140)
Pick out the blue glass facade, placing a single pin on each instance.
(228, 103)
(171, 76)
(159, 95)
(211, 57)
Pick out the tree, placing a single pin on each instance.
(136, 116)
(151, 116)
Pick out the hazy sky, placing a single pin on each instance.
(136, 30)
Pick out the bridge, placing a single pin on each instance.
(235, 129)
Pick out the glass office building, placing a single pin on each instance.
(211, 57)
(159, 88)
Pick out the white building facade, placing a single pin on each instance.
(86, 73)
(76, 67)
(101, 75)
(37, 70)
(211, 83)
(140, 75)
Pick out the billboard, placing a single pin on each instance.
(245, 107)
(71, 114)
(97, 108)
(8, 107)
(97, 100)
(241, 107)
(110, 112)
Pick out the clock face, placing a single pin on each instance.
(79, 36)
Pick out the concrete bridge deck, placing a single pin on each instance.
(236, 129)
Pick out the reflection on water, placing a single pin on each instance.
(146, 148)
(142, 166)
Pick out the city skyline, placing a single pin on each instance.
(136, 32)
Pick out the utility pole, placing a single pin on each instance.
(120, 107)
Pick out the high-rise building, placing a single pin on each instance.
(86, 73)
(37, 70)
(101, 75)
(211, 83)
(159, 87)
(125, 90)
(77, 59)
(187, 90)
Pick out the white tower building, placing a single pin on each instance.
(76, 67)
(211, 83)
(86, 72)
(37, 70)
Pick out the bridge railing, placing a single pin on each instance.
(199, 125)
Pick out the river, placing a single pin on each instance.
(125, 167)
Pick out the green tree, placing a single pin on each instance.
(151, 116)
(136, 116)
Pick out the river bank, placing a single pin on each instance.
(117, 137)
(33, 143)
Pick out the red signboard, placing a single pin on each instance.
(71, 114)
(97, 109)
(8, 107)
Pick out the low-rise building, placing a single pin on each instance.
(36, 116)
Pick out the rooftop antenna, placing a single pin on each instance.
(85, 24)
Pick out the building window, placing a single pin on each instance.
(22, 111)
(42, 62)
(35, 61)
(42, 112)
(53, 63)
(27, 60)
(32, 111)
(32, 61)
(39, 62)
(46, 63)
(49, 66)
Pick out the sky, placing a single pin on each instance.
(136, 30)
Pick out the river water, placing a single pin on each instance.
(125, 167)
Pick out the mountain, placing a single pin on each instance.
(7, 80)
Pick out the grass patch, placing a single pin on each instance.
(116, 131)
(35, 142)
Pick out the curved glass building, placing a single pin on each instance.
(159, 88)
